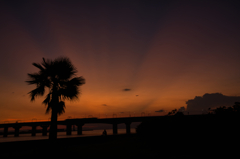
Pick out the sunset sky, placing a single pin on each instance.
(136, 56)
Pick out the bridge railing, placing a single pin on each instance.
(132, 114)
(100, 116)
(116, 115)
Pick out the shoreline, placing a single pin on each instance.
(80, 141)
(61, 136)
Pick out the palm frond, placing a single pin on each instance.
(38, 91)
(70, 92)
(77, 81)
(48, 109)
(50, 105)
(59, 76)
(38, 66)
(40, 78)
(63, 68)
(47, 99)
(34, 78)
(45, 63)
(61, 108)
(70, 88)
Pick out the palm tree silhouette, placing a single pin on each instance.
(59, 76)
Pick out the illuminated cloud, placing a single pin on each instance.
(126, 89)
(210, 101)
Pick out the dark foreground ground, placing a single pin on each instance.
(118, 147)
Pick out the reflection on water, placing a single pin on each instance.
(24, 137)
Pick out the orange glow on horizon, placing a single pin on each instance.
(164, 56)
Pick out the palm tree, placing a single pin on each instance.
(59, 76)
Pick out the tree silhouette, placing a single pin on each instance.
(59, 76)
(175, 112)
(233, 110)
(172, 112)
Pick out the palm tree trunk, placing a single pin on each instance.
(53, 126)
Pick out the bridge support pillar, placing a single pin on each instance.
(34, 130)
(44, 130)
(69, 129)
(128, 128)
(114, 128)
(79, 129)
(16, 133)
(5, 132)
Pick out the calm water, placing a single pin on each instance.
(24, 137)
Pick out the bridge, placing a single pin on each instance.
(79, 122)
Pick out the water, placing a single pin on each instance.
(24, 137)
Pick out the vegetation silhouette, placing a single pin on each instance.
(233, 110)
(59, 76)
(198, 134)
(175, 112)
(172, 112)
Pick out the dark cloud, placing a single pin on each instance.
(160, 111)
(136, 95)
(181, 109)
(126, 89)
(104, 105)
(210, 101)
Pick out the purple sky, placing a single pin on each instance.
(163, 53)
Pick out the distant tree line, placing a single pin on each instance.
(233, 110)
(213, 134)
(219, 124)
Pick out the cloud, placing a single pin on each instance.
(136, 95)
(181, 109)
(160, 111)
(104, 105)
(126, 89)
(210, 101)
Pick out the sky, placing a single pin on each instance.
(136, 56)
